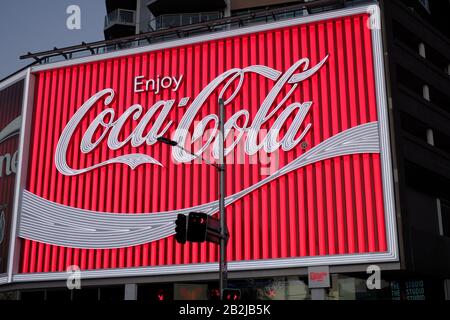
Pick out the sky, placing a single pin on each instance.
(39, 25)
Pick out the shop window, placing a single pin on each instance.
(155, 292)
(282, 288)
(426, 181)
(420, 130)
(278, 288)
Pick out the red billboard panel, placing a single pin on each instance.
(10, 120)
(307, 158)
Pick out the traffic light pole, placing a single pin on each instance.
(223, 222)
(220, 167)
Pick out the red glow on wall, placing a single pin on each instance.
(10, 110)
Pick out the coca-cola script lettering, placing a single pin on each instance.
(110, 126)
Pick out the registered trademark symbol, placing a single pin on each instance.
(304, 145)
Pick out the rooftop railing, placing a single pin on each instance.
(120, 16)
(170, 33)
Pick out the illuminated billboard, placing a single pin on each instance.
(308, 167)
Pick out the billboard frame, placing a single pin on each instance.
(391, 255)
(20, 76)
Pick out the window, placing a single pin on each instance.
(85, 294)
(425, 4)
(443, 209)
(38, 295)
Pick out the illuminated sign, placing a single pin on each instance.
(307, 151)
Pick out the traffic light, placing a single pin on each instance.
(231, 294)
(197, 225)
(181, 228)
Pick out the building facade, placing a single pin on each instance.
(339, 113)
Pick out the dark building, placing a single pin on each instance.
(418, 63)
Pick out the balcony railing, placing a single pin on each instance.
(142, 39)
(181, 19)
(120, 16)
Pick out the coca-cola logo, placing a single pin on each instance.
(246, 134)
(60, 224)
